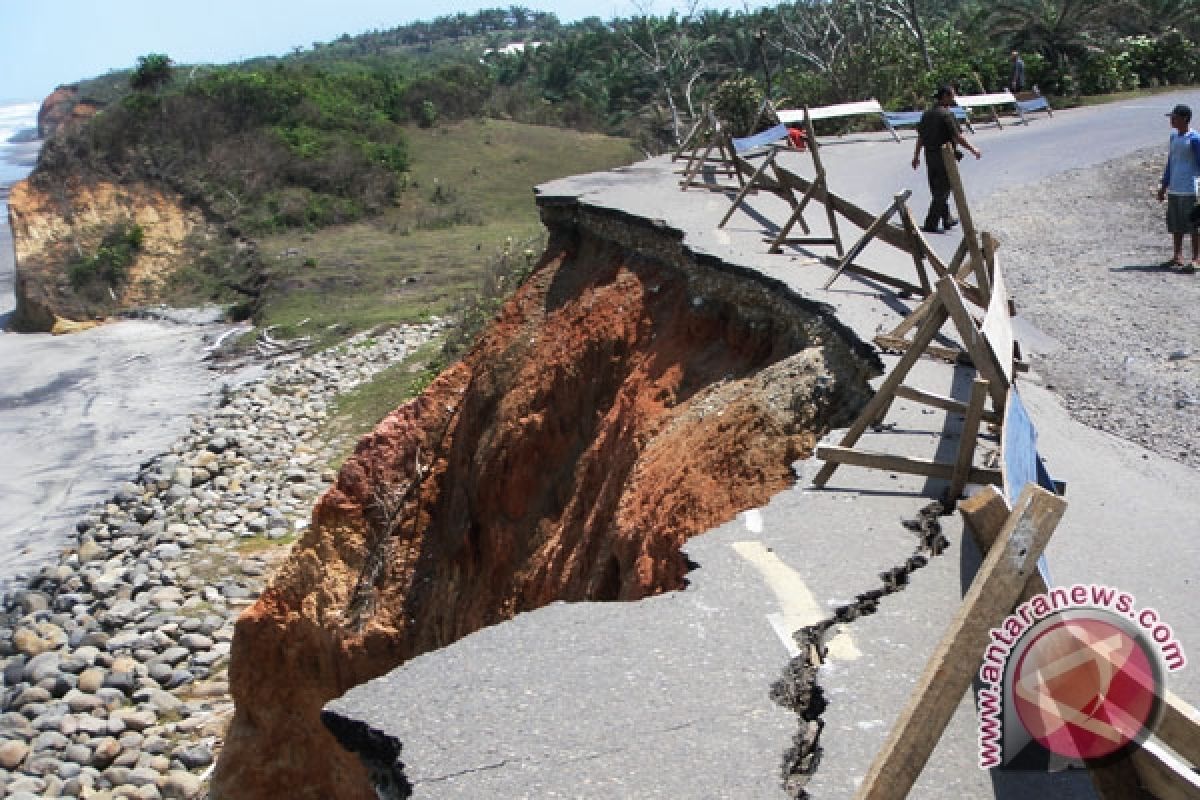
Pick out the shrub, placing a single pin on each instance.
(109, 266)
(737, 103)
(1107, 72)
(1162, 60)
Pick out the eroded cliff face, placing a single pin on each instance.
(61, 109)
(628, 397)
(51, 226)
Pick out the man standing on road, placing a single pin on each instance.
(938, 126)
(1016, 79)
(1178, 186)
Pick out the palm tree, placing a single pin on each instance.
(153, 72)
(1061, 30)
(1160, 16)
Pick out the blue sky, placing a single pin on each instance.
(44, 43)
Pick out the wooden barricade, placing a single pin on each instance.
(994, 591)
(711, 154)
(1014, 570)
(869, 107)
(817, 190)
(995, 370)
(798, 192)
(975, 257)
(1032, 101)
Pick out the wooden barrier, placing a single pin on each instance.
(861, 108)
(955, 661)
(986, 348)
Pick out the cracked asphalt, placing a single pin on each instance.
(669, 697)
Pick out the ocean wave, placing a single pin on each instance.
(16, 118)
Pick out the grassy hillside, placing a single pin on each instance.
(469, 199)
(470, 191)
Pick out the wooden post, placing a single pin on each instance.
(897, 202)
(964, 218)
(966, 442)
(948, 673)
(929, 329)
(823, 181)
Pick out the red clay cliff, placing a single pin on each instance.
(618, 405)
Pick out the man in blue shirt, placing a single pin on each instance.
(1178, 186)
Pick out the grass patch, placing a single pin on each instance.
(257, 544)
(469, 191)
(1115, 97)
(358, 411)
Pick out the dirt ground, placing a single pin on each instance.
(1083, 255)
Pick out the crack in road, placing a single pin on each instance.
(799, 691)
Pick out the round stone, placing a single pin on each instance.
(12, 753)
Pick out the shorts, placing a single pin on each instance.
(1179, 213)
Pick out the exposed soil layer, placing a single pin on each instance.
(52, 227)
(1084, 256)
(624, 400)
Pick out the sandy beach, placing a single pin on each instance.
(80, 413)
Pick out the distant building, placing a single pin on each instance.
(509, 49)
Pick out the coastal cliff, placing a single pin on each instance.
(53, 226)
(63, 108)
(629, 396)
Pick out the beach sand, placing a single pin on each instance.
(80, 413)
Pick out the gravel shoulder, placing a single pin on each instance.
(1082, 253)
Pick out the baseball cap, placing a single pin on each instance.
(1180, 111)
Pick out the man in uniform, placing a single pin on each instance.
(938, 126)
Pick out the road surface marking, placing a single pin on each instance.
(754, 521)
(799, 607)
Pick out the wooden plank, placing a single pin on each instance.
(923, 250)
(897, 201)
(750, 185)
(948, 673)
(973, 341)
(833, 454)
(879, 277)
(1180, 727)
(857, 108)
(942, 402)
(1164, 774)
(966, 442)
(970, 236)
(985, 513)
(993, 99)
(900, 345)
(997, 324)
(929, 328)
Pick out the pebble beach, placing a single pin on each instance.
(114, 654)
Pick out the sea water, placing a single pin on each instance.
(80, 413)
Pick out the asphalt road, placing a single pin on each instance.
(670, 697)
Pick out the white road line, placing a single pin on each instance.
(754, 521)
(799, 607)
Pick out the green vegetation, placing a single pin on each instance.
(385, 178)
(108, 267)
(153, 72)
(469, 192)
